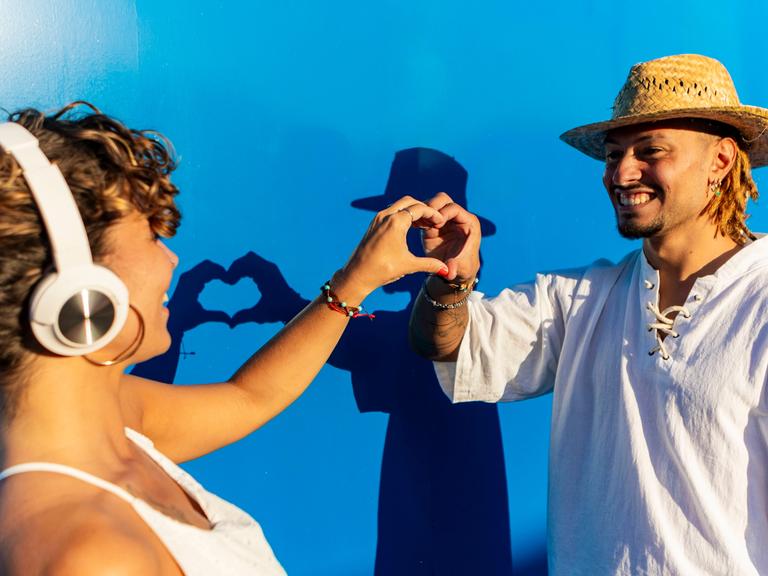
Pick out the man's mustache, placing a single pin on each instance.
(638, 187)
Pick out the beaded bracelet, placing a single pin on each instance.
(333, 302)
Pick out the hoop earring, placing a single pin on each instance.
(132, 347)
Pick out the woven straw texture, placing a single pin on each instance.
(682, 86)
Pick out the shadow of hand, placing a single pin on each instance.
(278, 303)
(186, 312)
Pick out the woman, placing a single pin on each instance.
(90, 485)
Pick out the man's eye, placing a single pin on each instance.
(613, 155)
(652, 151)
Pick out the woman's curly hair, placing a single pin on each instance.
(112, 171)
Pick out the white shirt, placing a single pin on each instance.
(657, 466)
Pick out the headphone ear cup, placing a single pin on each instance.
(78, 311)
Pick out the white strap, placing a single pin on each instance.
(68, 471)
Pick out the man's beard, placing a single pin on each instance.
(632, 230)
(629, 227)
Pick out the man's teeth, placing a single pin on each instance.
(634, 199)
(165, 297)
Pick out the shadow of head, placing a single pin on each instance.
(421, 173)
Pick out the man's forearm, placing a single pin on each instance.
(436, 333)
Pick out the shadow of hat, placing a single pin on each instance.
(422, 173)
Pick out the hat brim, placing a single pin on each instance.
(750, 121)
(377, 203)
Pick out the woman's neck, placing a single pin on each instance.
(69, 412)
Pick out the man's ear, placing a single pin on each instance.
(725, 152)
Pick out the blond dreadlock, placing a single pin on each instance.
(728, 209)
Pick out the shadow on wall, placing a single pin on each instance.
(443, 498)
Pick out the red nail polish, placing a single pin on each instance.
(443, 272)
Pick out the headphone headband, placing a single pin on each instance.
(61, 216)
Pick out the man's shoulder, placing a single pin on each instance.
(602, 269)
(757, 251)
(746, 266)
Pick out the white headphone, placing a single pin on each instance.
(82, 306)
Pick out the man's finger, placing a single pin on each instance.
(439, 200)
(466, 255)
(456, 213)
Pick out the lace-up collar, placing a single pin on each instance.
(663, 326)
(661, 322)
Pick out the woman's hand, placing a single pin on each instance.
(455, 241)
(383, 256)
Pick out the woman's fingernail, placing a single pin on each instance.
(443, 271)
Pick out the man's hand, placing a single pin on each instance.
(437, 326)
(382, 256)
(455, 241)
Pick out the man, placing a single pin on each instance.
(659, 440)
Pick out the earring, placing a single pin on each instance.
(132, 347)
(714, 188)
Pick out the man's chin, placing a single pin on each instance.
(635, 230)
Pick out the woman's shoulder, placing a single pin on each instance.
(82, 533)
(96, 549)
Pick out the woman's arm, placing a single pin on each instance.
(188, 421)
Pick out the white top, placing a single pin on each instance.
(657, 466)
(235, 545)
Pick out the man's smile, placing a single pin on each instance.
(633, 198)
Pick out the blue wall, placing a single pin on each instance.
(284, 113)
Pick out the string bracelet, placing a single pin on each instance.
(458, 289)
(333, 302)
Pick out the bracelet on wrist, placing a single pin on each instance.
(453, 305)
(458, 287)
(334, 303)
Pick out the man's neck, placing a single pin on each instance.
(681, 258)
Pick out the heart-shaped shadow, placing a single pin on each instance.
(275, 301)
(230, 295)
(186, 311)
(278, 301)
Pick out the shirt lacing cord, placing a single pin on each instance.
(663, 325)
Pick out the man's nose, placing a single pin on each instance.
(626, 171)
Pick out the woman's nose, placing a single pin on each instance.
(171, 254)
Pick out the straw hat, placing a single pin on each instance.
(682, 86)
